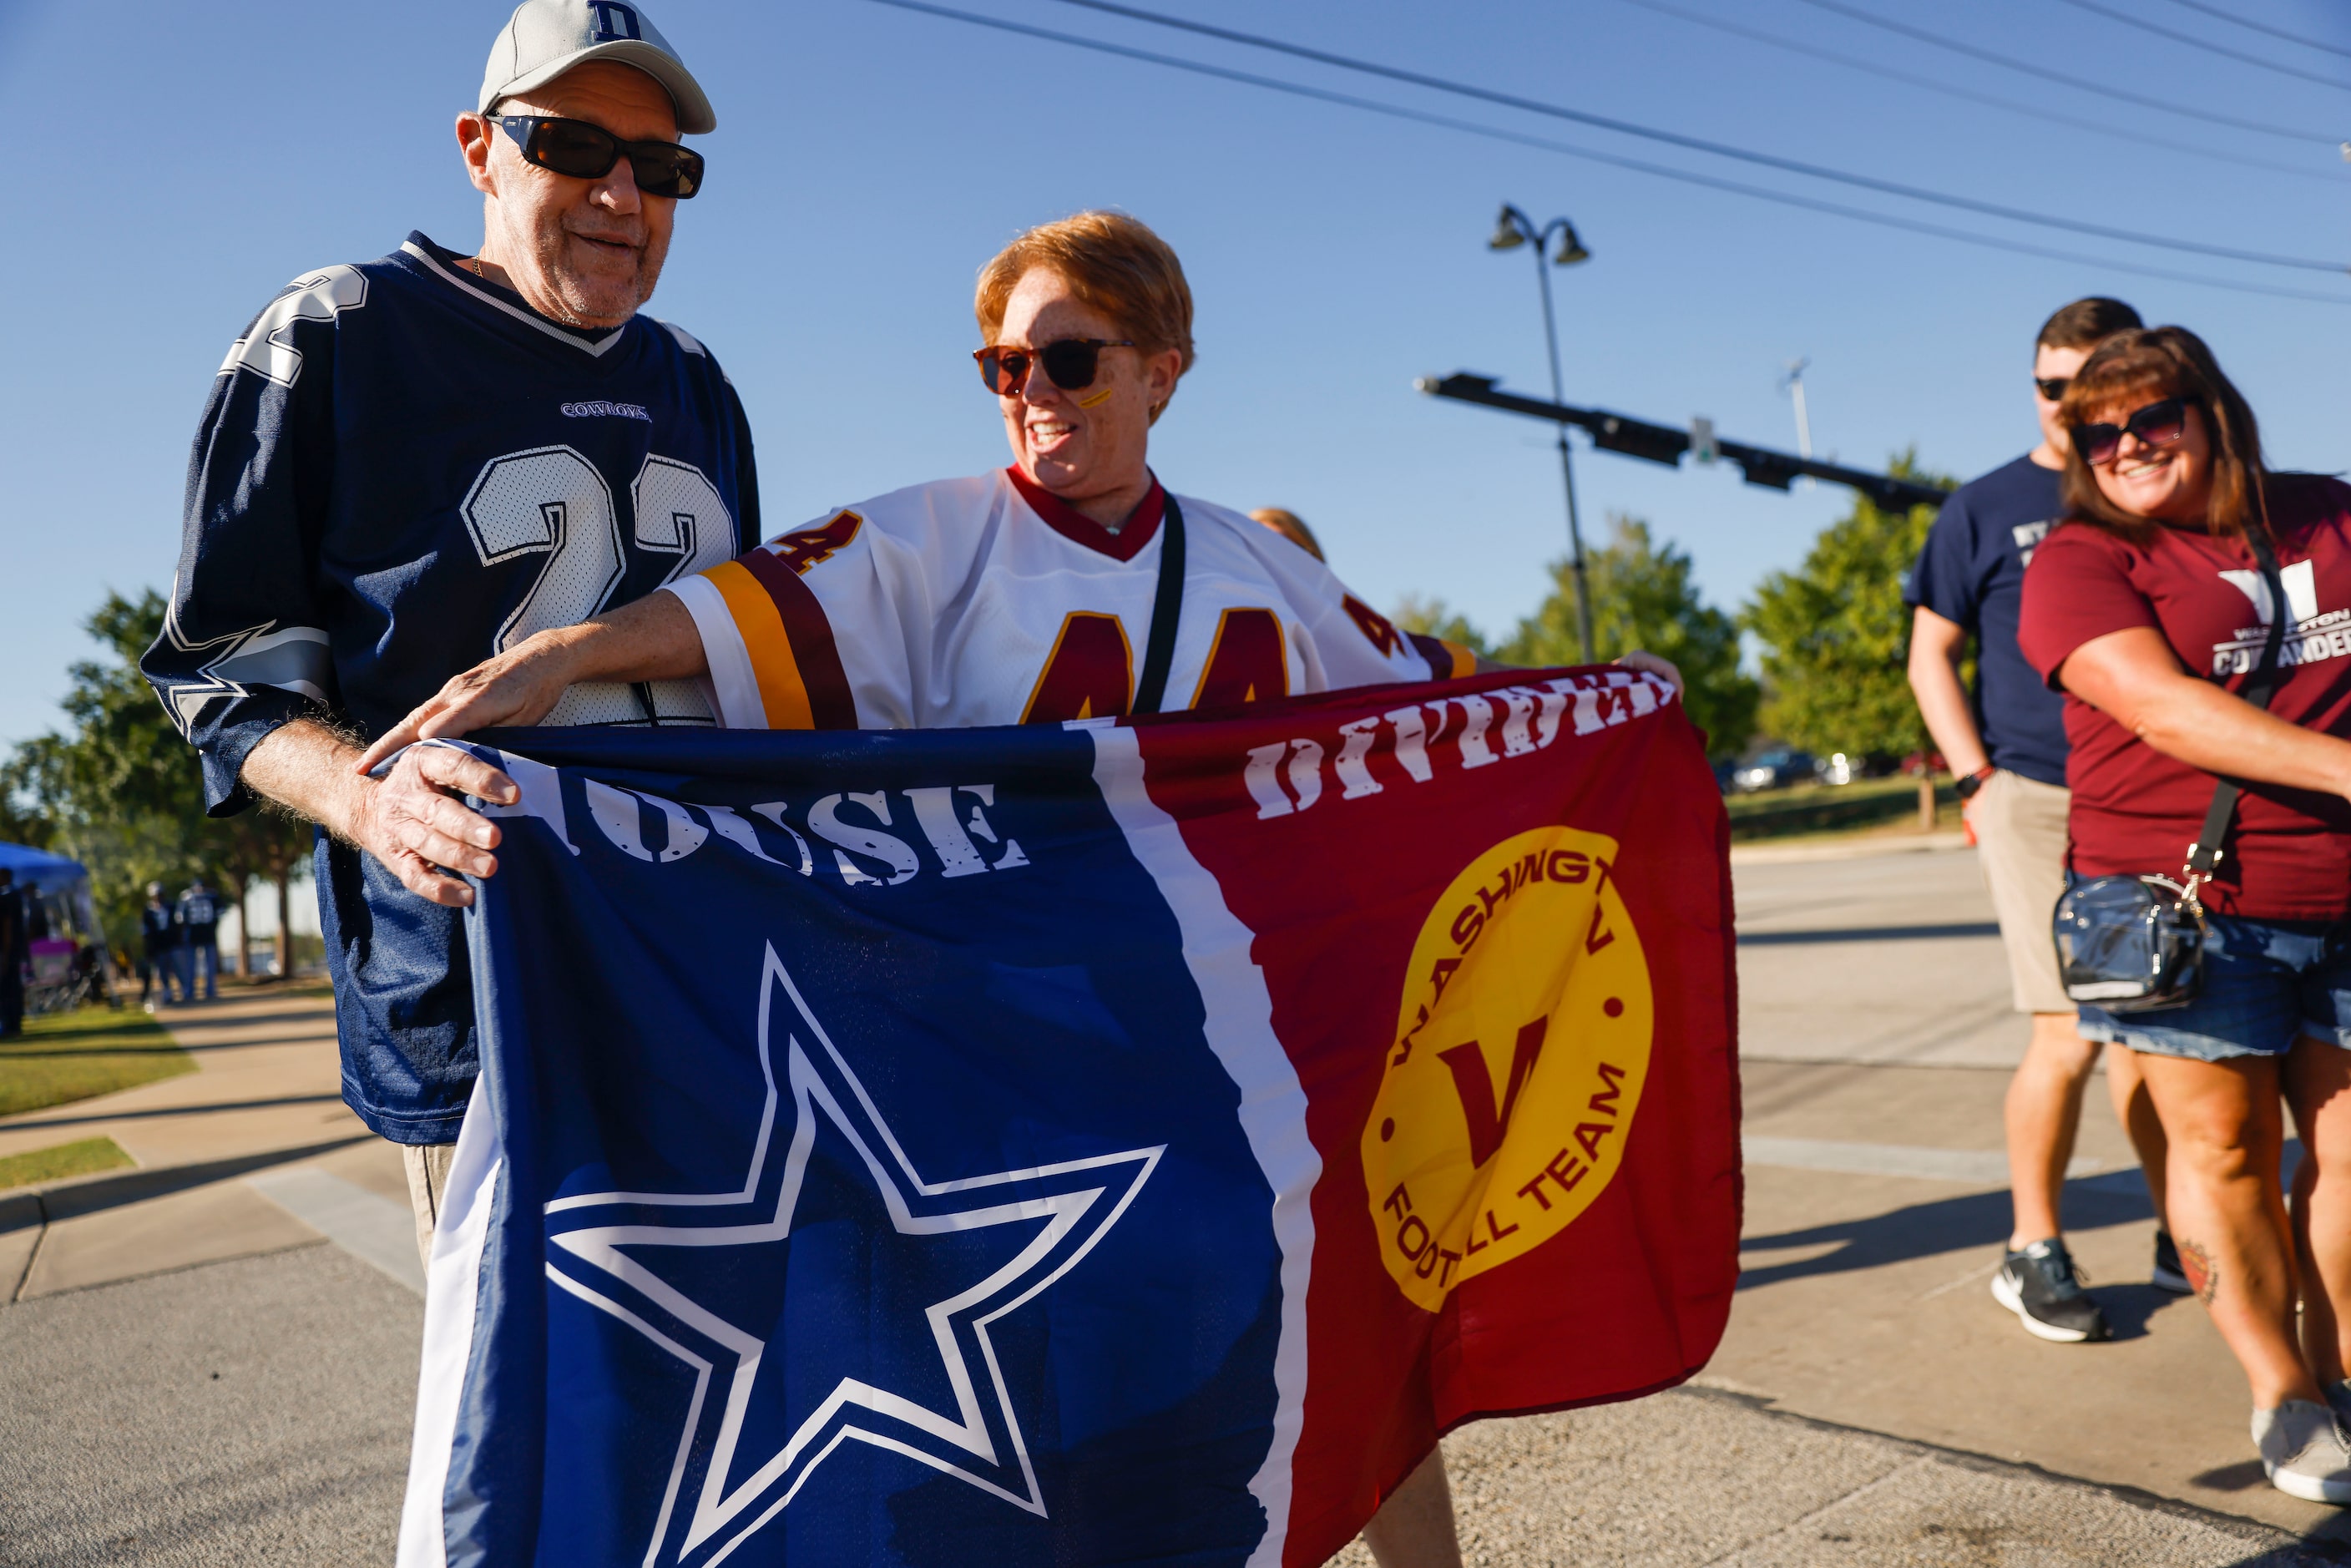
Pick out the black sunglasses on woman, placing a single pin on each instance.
(2159, 424)
(1071, 364)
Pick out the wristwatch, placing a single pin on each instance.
(1974, 781)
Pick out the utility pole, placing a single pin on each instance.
(1511, 230)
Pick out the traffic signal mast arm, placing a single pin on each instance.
(1664, 443)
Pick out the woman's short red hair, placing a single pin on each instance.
(1113, 262)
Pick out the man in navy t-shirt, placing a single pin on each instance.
(411, 464)
(2006, 741)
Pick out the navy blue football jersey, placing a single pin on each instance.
(402, 471)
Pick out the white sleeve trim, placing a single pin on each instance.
(733, 682)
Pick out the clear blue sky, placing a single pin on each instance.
(188, 160)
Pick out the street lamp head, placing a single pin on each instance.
(1510, 230)
(1570, 249)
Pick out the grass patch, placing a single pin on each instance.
(63, 1057)
(78, 1158)
(1810, 809)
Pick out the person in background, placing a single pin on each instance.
(2006, 742)
(159, 935)
(2152, 607)
(16, 950)
(1289, 526)
(200, 941)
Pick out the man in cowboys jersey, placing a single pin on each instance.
(1024, 596)
(408, 466)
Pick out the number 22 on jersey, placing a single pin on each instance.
(551, 501)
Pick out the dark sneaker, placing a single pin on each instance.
(2303, 1451)
(2167, 1275)
(2338, 1399)
(2041, 1287)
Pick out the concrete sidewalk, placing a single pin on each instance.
(216, 1149)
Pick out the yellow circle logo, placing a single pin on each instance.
(1520, 1049)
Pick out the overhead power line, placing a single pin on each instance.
(1699, 144)
(1709, 181)
(2141, 25)
(2070, 81)
(2227, 16)
(2014, 106)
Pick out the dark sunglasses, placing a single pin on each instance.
(1071, 364)
(2052, 387)
(585, 152)
(2155, 424)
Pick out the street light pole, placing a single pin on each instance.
(1513, 229)
(1796, 383)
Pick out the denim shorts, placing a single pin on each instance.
(2266, 983)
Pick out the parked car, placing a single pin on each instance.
(1773, 769)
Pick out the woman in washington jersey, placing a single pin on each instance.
(1024, 596)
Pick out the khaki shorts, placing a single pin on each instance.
(428, 1188)
(2020, 826)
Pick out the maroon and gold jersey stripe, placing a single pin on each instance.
(812, 689)
(1446, 661)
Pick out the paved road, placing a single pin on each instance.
(1869, 1405)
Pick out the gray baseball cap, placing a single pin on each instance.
(544, 38)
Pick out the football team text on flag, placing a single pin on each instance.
(1125, 1142)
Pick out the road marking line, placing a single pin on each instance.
(372, 1228)
(1969, 1167)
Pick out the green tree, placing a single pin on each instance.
(1836, 635)
(122, 792)
(1435, 618)
(1643, 597)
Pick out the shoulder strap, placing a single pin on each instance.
(2204, 854)
(1166, 609)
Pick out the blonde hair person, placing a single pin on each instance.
(1289, 526)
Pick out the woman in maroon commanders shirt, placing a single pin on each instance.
(2148, 608)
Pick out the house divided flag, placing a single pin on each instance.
(1124, 1143)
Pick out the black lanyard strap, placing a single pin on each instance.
(1166, 609)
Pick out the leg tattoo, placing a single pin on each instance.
(2203, 1274)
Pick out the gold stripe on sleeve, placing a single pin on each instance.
(782, 691)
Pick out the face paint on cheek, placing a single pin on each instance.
(1096, 401)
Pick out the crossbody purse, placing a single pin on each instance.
(2135, 943)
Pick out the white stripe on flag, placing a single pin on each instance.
(1272, 1102)
(451, 1286)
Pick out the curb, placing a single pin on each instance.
(1852, 850)
(2257, 1533)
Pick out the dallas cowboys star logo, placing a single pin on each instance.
(294, 659)
(739, 1463)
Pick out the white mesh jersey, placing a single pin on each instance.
(988, 600)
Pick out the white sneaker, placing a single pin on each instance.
(2304, 1452)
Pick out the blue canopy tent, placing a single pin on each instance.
(60, 964)
(53, 874)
